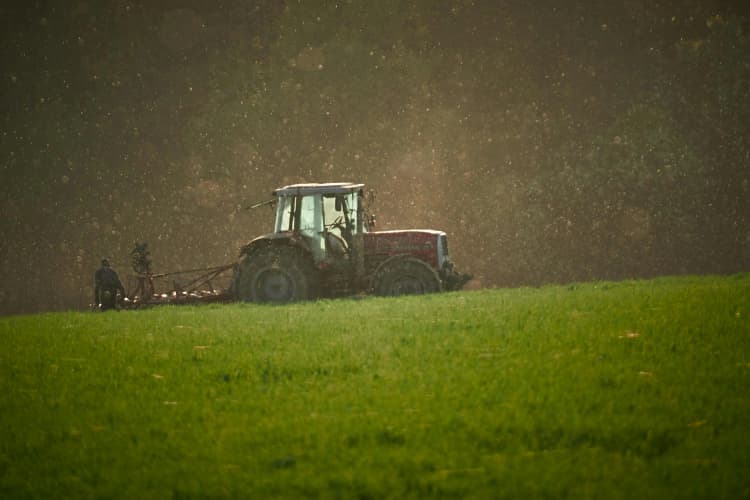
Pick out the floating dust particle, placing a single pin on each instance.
(629, 335)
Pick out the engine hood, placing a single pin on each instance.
(426, 244)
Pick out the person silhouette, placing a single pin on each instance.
(106, 285)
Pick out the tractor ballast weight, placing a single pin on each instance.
(322, 246)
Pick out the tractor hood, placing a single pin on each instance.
(427, 244)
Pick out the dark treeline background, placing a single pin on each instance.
(554, 143)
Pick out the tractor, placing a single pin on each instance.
(322, 246)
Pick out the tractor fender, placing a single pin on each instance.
(289, 238)
(390, 260)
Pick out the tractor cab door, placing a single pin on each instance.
(319, 220)
(337, 223)
(327, 222)
(303, 215)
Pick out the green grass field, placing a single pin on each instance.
(636, 389)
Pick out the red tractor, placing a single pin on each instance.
(322, 247)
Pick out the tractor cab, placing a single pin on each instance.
(328, 218)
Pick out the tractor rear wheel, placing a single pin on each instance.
(405, 276)
(276, 275)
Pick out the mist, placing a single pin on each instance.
(552, 145)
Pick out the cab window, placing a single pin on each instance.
(310, 221)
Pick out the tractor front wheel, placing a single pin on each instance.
(405, 276)
(276, 275)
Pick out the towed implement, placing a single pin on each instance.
(200, 286)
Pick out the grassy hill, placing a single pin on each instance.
(634, 389)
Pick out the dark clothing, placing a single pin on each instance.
(106, 286)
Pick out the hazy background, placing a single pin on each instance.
(553, 141)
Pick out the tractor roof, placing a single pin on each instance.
(322, 188)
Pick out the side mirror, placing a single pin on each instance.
(338, 204)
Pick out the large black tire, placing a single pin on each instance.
(405, 276)
(277, 275)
